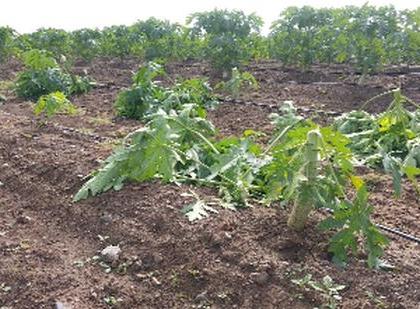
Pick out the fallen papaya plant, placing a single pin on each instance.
(389, 140)
(146, 95)
(308, 165)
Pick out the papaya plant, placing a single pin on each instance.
(56, 41)
(308, 165)
(54, 103)
(238, 82)
(85, 43)
(227, 36)
(7, 36)
(304, 201)
(146, 96)
(387, 140)
(43, 75)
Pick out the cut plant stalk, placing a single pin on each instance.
(304, 200)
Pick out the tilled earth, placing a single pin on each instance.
(242, 259)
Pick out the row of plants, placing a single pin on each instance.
(148, 39)
(366, 37)
(305, 165)
(46, 81)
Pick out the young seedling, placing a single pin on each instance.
(329, 290)
(239, 81)
(53, 103)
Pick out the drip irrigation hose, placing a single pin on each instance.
(390, 230)
(398, 233)
(276, 107)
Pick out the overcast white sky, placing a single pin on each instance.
(29, 15)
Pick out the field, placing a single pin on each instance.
(234, 259)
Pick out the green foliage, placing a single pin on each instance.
(197, 91)
(33, 84)
(387, 140)
(411, 45)
(177, 146)
(160, 39)
(145, 93)
(227, 36)
(238, 82)
(153, 151)
(287, 172)
(55, 41)
(43, 75)
(81, 84)
(36, 59)
(7, 36)
(329, 290)
(115, 41)
(294, 35)
(53, 103)
(146, 96)
(366, 36)
(85, 43)
(198, 210)
(314, 172)
(352, 218)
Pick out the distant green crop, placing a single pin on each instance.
(7, 36)
(227, 36)
(367, 38)
(35, 83)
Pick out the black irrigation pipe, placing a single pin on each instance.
(276, 107)
(390, 230)
(398, 233)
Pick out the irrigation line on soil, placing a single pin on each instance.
(399, 233)
(276, 107)
(391, 230)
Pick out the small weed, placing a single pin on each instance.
(195, 273)
(377, 300)
(175, 279)
(327, 288)
(239, 81)
(112, 300)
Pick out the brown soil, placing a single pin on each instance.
(242, 259)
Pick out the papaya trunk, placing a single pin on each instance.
(300, 212)
(304, 200)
